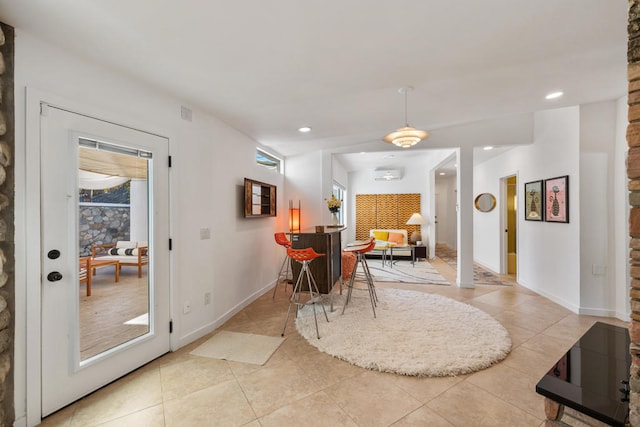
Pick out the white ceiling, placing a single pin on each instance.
(269, 67)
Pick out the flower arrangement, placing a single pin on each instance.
(334, 204)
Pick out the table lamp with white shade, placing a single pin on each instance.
(416, 219)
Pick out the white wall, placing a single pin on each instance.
(486, 242)
(596, 273)
(556, 260)
(210, 161)
(621, 214)
(597, 144)
(548, 253)
(339, 173)
(414, 180)
(304, 184)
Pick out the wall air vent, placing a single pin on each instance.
(387, 174)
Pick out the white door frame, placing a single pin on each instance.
(28, 384)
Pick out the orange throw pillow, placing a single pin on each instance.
(397, 238)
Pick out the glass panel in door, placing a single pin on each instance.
(113, 236)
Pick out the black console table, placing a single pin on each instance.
(592, 378)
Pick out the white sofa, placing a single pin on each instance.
(126, 252)
(392, 240)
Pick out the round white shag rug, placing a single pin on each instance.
(415, 333)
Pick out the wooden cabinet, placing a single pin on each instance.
(259, 199)
(326, 270)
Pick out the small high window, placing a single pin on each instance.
(268, 160)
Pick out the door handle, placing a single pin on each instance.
(54, 276)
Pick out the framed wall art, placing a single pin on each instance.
(533, 201)
(556, 193)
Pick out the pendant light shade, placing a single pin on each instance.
(406, 136)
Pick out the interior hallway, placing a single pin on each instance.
(302, 386)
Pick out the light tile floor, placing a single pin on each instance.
(301, 386)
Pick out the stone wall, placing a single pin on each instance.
(102, 224)
(7, 234)
(633, 173)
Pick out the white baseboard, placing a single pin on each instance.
(212, 326)
(598, 312)
(585, 311)
(625, 317)
(601, 312)
(465, 285)
(485, 266)
(551, 297)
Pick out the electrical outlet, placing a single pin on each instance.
(186, 307)
(205, 233)
(207, 298)
(598, 269)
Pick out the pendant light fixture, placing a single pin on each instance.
(406, 136)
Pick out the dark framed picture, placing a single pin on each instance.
(533, 201)
(556, 193)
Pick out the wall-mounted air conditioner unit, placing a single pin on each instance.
(387, 174)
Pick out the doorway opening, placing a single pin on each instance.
(445, 217)
(510, 221)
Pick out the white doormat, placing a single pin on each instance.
(239, 347)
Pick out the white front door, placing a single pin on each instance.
(89, 341)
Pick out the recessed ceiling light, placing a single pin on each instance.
(363, 152)
(554, 95)
(304, 129)
(442, 173)
(488, 147)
